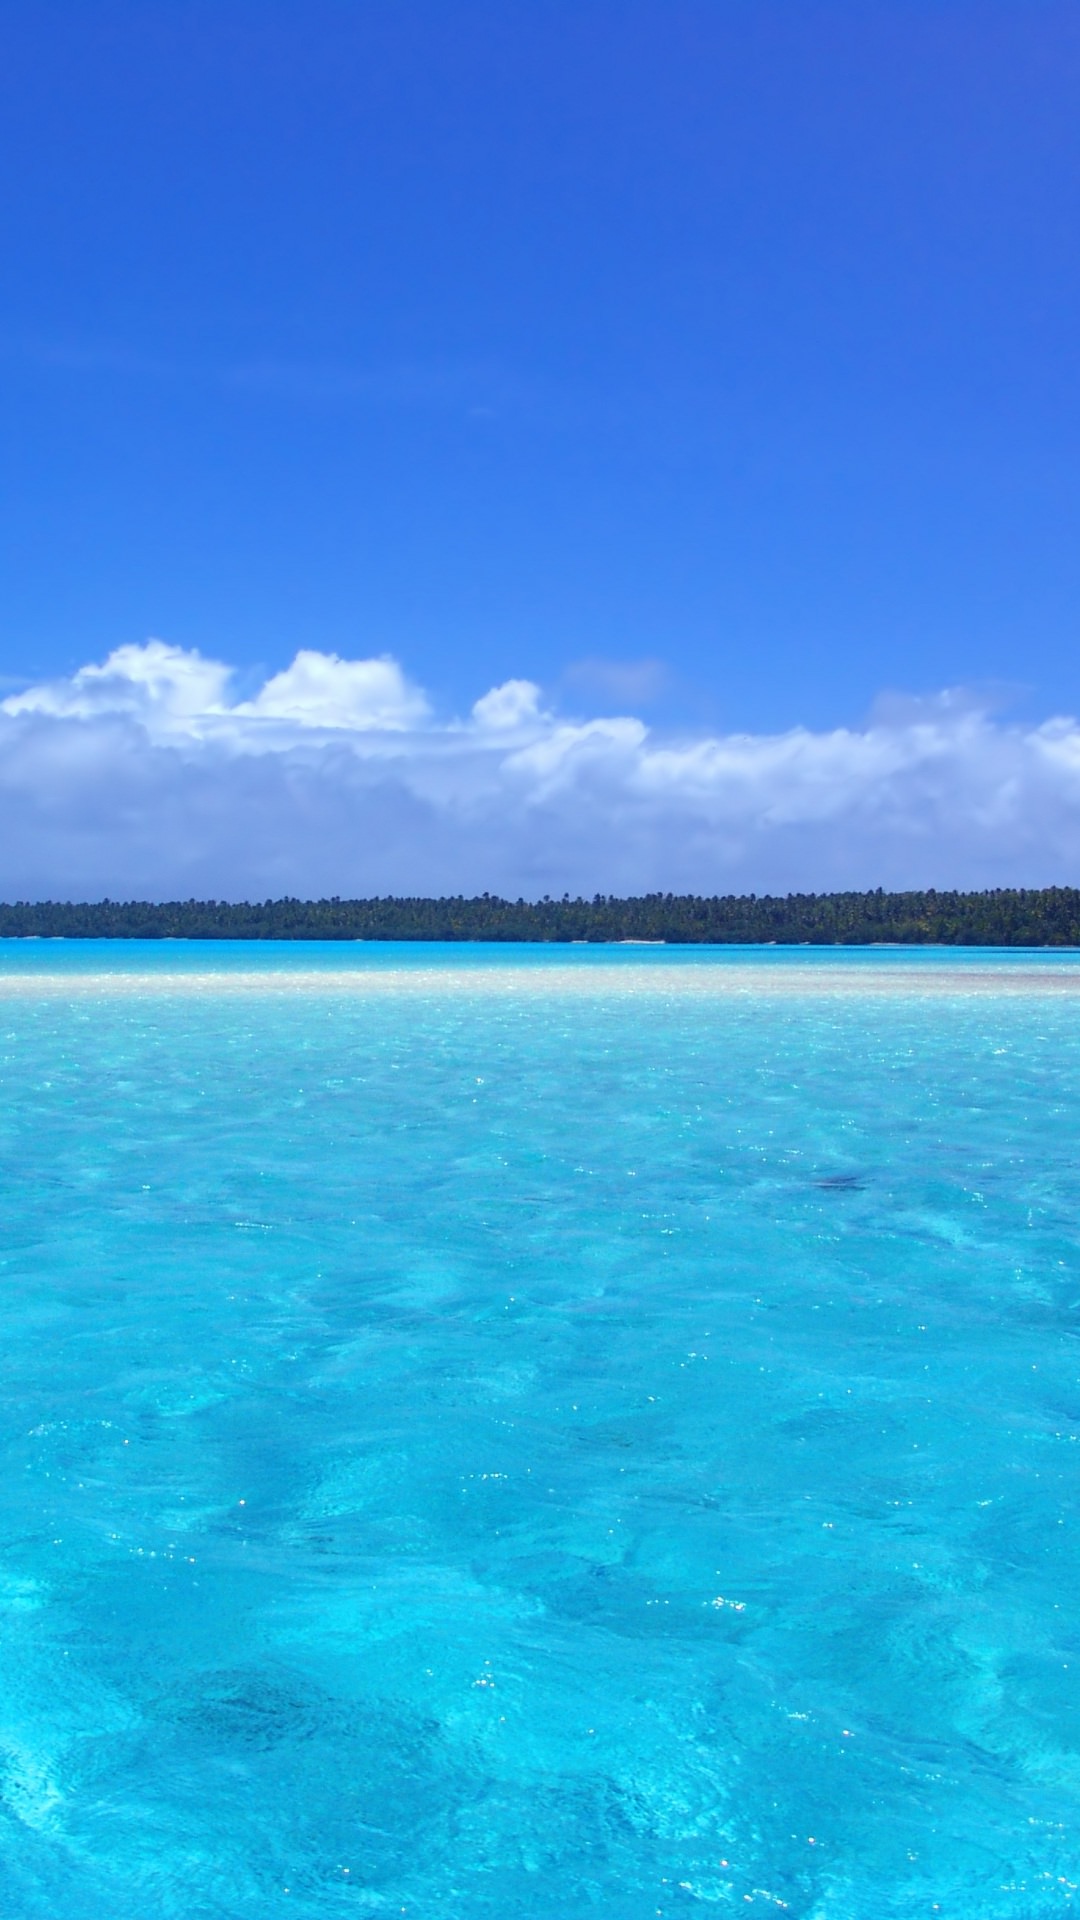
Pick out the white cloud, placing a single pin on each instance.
(145, 776)
(167, 688)
(320, 690)
(514, 704)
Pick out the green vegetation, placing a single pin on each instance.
(1002, 917)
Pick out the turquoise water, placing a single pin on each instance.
(524, 1434)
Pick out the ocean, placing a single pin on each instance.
(513, 1434)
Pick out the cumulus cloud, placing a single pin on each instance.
(146, 776)
(166, 688)
(319, 690)
(508, 707)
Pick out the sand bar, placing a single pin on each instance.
(727, 980)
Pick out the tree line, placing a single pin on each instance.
(998, 917)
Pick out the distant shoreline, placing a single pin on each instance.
(1047, 917)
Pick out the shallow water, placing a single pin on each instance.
(522, 1434)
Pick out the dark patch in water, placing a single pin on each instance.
(840, 1183)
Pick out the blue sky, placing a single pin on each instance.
(713, 363)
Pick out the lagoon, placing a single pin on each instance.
(528, 1432)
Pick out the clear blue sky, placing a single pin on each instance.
(737, 336)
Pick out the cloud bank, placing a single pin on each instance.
(145, 777)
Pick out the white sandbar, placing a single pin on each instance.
(751, 979)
